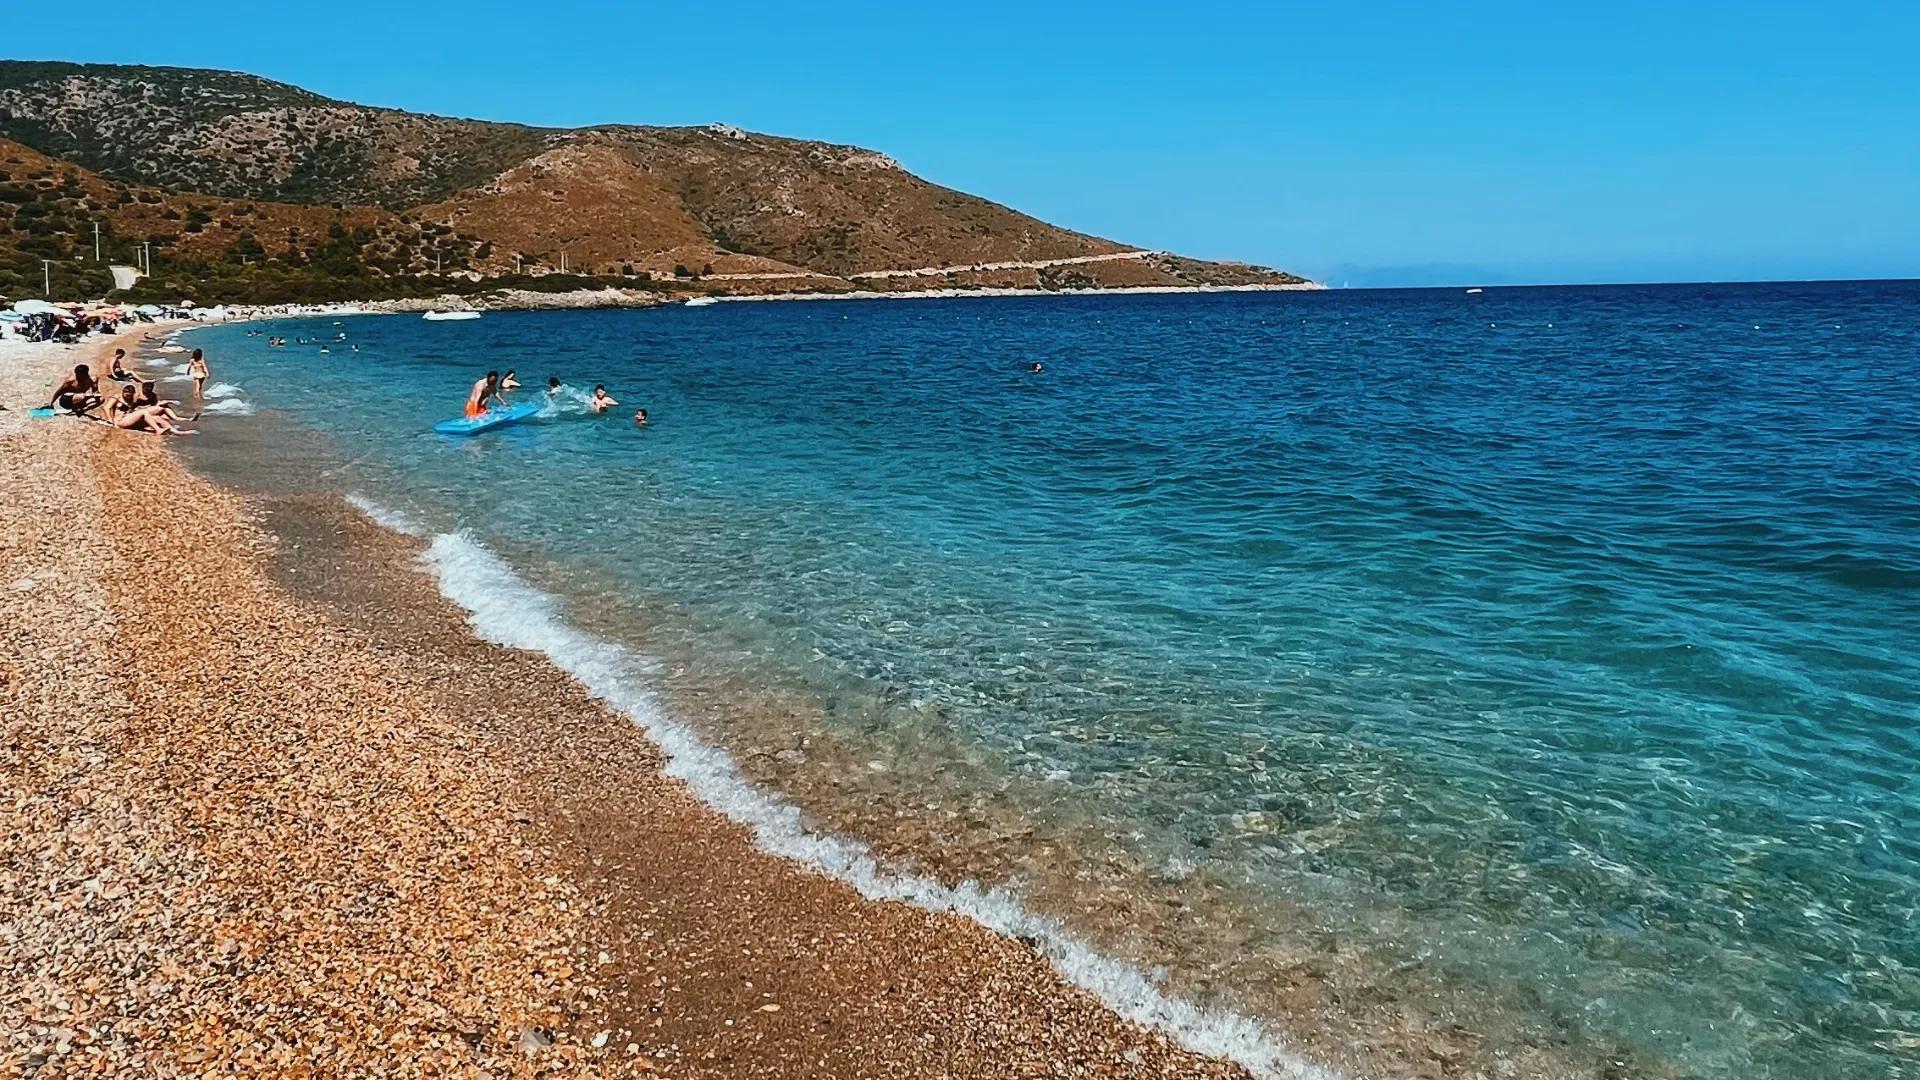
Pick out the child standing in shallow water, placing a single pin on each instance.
(197, 367)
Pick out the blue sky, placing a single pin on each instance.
(1399, 144)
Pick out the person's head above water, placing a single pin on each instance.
(1036, 367)
(553, 383)
(599, 388)
(510, 373)
(640, 417)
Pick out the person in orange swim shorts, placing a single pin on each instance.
(484, 391)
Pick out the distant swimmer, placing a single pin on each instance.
(553, 386)
(601, 400)
(485, 390)
(1036, 368)
(197, 370)
(78, 394)
(508, 382)
(640, 418)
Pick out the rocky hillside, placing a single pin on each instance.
(49, 210)
(225, 133)
(740, 210)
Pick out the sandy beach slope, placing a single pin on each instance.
(269, 809)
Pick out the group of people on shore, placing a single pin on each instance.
(136, 405)
(488, 391)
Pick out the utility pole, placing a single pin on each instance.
(96, 241)
(46, 275)
(563, 260)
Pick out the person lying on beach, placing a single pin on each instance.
(601, 400)
(78, 393)
(157, 419)
(484, 391)
(197, 368)
(508, 382)
(148, 397)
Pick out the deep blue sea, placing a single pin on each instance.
(1549, 655)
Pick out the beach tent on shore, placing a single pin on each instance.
(37, 307)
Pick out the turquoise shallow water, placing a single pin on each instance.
(1564, 638)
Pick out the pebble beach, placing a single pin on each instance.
(270, 809)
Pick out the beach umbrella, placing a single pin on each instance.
(35, 307)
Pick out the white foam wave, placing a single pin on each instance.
(392, 520)
(565, 400)
(221, 390)
(233, 406)
(503, 608)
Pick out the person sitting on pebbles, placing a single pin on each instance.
(148, 394)
(158, 419)
(78, 393)
(119, 371)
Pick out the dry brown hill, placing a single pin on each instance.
(49, 209)
(604, 201)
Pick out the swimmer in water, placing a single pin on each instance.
(640, 418)
(553, 386)
(601, 400)
(508, 382)
(485, 390)
(1036, 368)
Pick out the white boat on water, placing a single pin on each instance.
(701, 301)
(1476, 289)
(450, 316)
